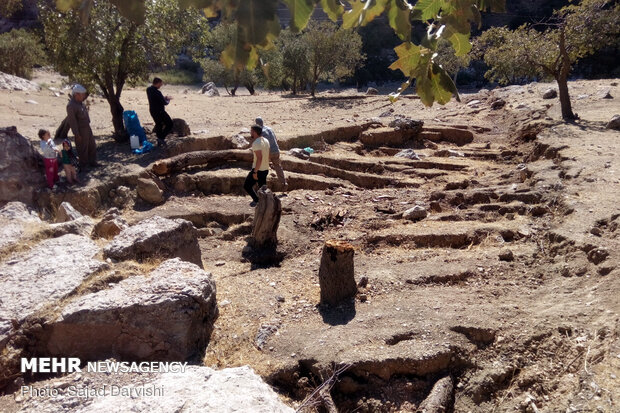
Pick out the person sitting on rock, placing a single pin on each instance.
(260, 164)
(50, 154)
(274, 151)
(157, 108)
(69, 160)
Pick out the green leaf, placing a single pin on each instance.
(428, 8)
(353, 17)
(443, 87)
(408, 58)
(399, 17)
(333, 8)
(256, 18)
(460, 43)
(394, 96)
(363, 13)
(301, 10)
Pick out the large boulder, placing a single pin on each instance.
(156, 237)
(11, 82)
(180, 127)
(550, 94)
(614, 123)
(210, 89)
(149, 191)
(66, 212)
(15, 219)
(167, 315)
(197, 389)
(21, 168)
(110, 225)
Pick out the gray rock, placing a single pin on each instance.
(180, 127)
(238, 141)
(10, 82)
(449, 153)
(210, 89)
(408, 153)
(21, 168)
(15, 219)
(605, 94)
(614, 123)
(550, 94)
(149, 191)
(197, 389)
(156, 237)
(498, 104)
(407, 123)
(80, 226)
(121, 196)
(372, 91)
(66, 212)
(167, 315)
(506, 255)
(416, 213)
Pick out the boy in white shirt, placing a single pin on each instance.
(260, 164)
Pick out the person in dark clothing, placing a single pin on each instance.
(157, 107)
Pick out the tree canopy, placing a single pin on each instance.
(111, 50)
(548, 50)
(258, 27)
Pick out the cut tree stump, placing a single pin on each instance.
(266, 219)
(336, 274)
(185, 160)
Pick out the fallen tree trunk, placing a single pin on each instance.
(439, 398)
(185, 160)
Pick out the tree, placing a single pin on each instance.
(20, 51)
(258, 26)
(212, 45)
(332, 53)
(449, 61)
(9, 7)
(111, 50)
(295, 62)
(526, 53)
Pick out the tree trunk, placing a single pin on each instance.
(294, 84)
(440, 397)
(250, 87)
(562, 79)
(120, 134)
(185, 160)
(266, 219)
(336, 274)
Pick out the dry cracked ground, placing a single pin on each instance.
(509, 285)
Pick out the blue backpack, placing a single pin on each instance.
(132, 125)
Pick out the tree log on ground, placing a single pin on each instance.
(185, 160)
(266, 219)
(439, 398)
(336, 274)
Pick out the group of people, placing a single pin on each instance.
(79, 123)
(265, 150)
(264, 147)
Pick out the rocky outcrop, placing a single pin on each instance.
(156, 237)
(166, 315)
(149, 191)
(15, 217)
(21, 168)
(197, 389)
(66, 212)
(10, 82)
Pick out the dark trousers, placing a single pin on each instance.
(163, 125)
(250, 182)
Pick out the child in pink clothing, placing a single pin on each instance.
(50, 154)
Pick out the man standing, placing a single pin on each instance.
(274, 151)
(157, 107)
(260, 164)
(79, 122)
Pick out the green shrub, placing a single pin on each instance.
(20, 51)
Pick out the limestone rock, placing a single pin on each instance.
(10, 82)
(605, 94)
(21, 168)
(80, 226)
(180, 127)
(149, 191)
(614, 123)
(167, 315)
(407, 123)
(372, 91)
(238, 141)
(156, 237)
(15, 218)
(498, 104)
(416, 213)
(66, 212)
(110, 225)
(210, 89)
(197, 389)
(408, 153)
(550, 94)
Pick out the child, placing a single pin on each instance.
(68, 162)
(49, 157)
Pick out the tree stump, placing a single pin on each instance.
(336, 274)
(266, 219)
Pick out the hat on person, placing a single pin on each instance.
(78, 88)
(259, 121)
